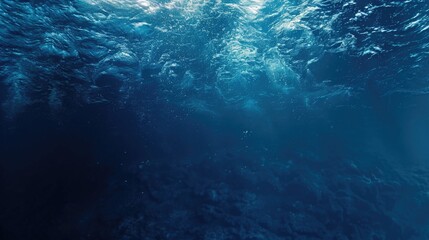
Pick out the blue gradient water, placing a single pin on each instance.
(214, 120)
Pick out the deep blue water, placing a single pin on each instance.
(214, 119)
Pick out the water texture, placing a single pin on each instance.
(214, 119)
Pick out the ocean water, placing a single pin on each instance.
(214, 119)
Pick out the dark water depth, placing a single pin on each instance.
(214, 120)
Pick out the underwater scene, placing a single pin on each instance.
(214, 119)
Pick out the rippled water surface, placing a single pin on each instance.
(214, 119)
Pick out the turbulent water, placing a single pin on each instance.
(214, 119)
